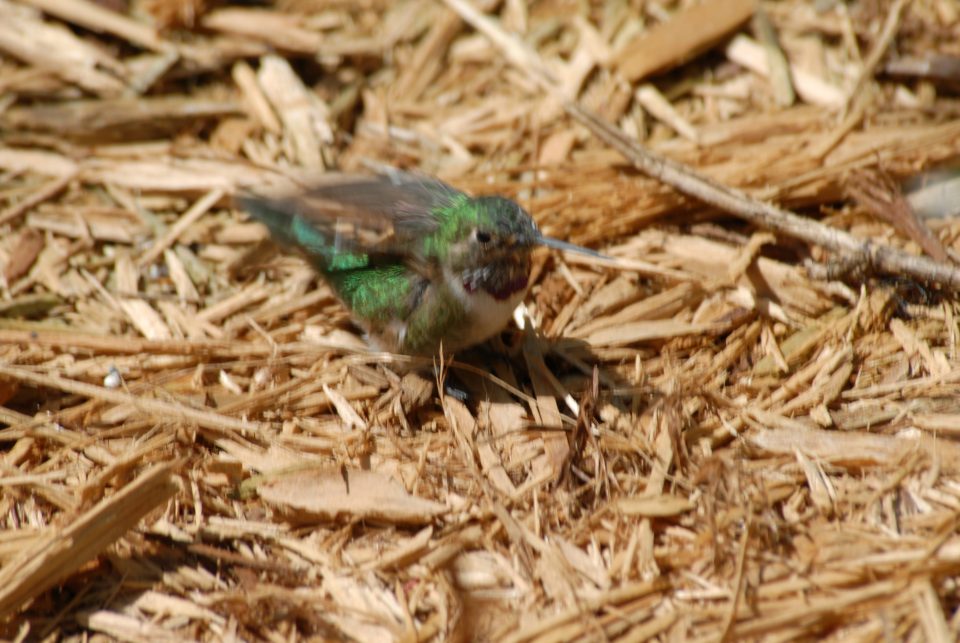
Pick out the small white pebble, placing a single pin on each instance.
(112, 379)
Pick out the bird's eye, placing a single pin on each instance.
(483, 237)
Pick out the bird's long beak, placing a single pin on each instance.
(557, 244)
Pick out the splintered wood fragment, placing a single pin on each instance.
(141, 314)
(24, 253)
(547, 388)
(840, 601)
(557, 147)
(748, 255)
(246, 80)
(859, 147)
(934, 622)
(304, 116)
(41, 162)
(146, 70)
(53, 47)
(430, 55)
(46, 192)
(182, 320)
(610, 599)
(404, 554)
(799, 343)
(826, 385)
(346, 412)
(234, 303)
(80, 223)
(115, 345)
(502, 420)
(100, 19)
(592, 40)
(645, 331)
(572, 77)
(822, 493)
(58, 554)
(159, 604)
(187, 219)
(277, 460)
(658, 506)
(947, 424)
(777, 62)
(186, 289)
(658, 106)
(811, 88)
(842, 449)
(126, 628)
(913, 346)
(661, 306)
(630, 265)
(451, 548)
(800, 381)
(341, 494)
(615, 295)
(185, 175)
(683, 36)
(281, 30)
(120, 119)
(159, 409)
(379, 621)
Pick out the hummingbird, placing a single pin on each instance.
(418, 263)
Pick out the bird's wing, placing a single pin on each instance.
(345, 216)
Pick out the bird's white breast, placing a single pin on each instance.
(485, 316)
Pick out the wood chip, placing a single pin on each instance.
(58, 554)
(342, 494)
(683, 36)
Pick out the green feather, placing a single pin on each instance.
(374, 294)
(293, 230)
(455, 220)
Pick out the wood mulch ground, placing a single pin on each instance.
(742, 426)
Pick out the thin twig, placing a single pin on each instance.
(48, 191)
(201, 207)
(153, 407)
(879, 48)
